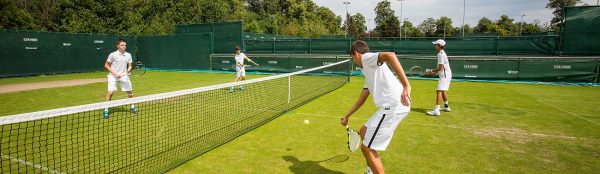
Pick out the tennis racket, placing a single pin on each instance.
(138, 69)
(417, 71)
(353, 139)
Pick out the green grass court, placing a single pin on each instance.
(493, 127)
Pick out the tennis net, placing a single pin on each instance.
(168, 129)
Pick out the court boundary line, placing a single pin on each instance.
(467, 128)
(568, 112)
(38, 166)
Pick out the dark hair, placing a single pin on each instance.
(121, 40)
(237, 47)
(360, 47)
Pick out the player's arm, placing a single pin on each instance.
(250, 60)
(440, 67)
(129, 67)
(107, 67)
(391, 58)
(364, 94)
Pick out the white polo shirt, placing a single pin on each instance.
(119, 61)
(239, 59)
(382, 84)
(443, 60)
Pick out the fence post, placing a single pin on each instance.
(497, 45)
(273, 45)
(309, 46)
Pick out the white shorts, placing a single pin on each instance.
(125, 83)
(444, 84)
(240, 71)
(380, 129)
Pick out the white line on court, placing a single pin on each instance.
(43, 168)
(467, 128)
(541, 101)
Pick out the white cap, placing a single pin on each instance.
(439, 42)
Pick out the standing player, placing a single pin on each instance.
(390, 94)
(240, 68)
(445, 74)
(118, 65)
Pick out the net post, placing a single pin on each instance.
(289, 91)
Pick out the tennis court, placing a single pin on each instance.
(494, 127)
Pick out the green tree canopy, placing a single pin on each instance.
(387, 23)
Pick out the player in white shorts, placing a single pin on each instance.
(240, 68)
(391, 95)
(445, 74)
(119, 66)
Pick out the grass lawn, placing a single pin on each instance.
(493, 128)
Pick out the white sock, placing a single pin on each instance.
(446, 104)
(437, 108)
(132, 106)
(105, 109)
(369, 170)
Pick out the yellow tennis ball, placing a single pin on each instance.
(306, 122)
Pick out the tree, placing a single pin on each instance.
(558, 6)
(443, 27)
(355, 25)
(387, 23)
(409, 30)
(505, 26)
(484, 25)
(428, 27)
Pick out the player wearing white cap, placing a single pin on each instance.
(445, 73)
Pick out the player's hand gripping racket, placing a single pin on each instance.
(353, 139)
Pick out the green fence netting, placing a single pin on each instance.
(581, 31)
(227, 35)
(190, 51)
(567, 69)
(26, 53)
(275, 63)
(522, 45)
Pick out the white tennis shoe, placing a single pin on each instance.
(433, 113)
(446, 109)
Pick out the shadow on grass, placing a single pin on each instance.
(300, 167)
(420, 110)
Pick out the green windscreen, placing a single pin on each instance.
(226, 35)
(190, 51)
(32, 53)
(581, 31)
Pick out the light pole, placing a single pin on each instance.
(347, 16)
(463, 25)
(404, 28)
(401, 16)
(521, 26)
(367, 25)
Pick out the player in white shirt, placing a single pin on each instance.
(391, 95)
(240, 68)
(445, 74)
(118, 65)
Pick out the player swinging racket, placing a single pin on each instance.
(390, 94)
(445, 74)
(240, 68)
(119, 66)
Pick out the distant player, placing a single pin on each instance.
(445, 74)
(240, 68)
(119, 66)
(391, 95)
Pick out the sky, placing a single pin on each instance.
(418, 10)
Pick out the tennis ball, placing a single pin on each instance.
(306, 122)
